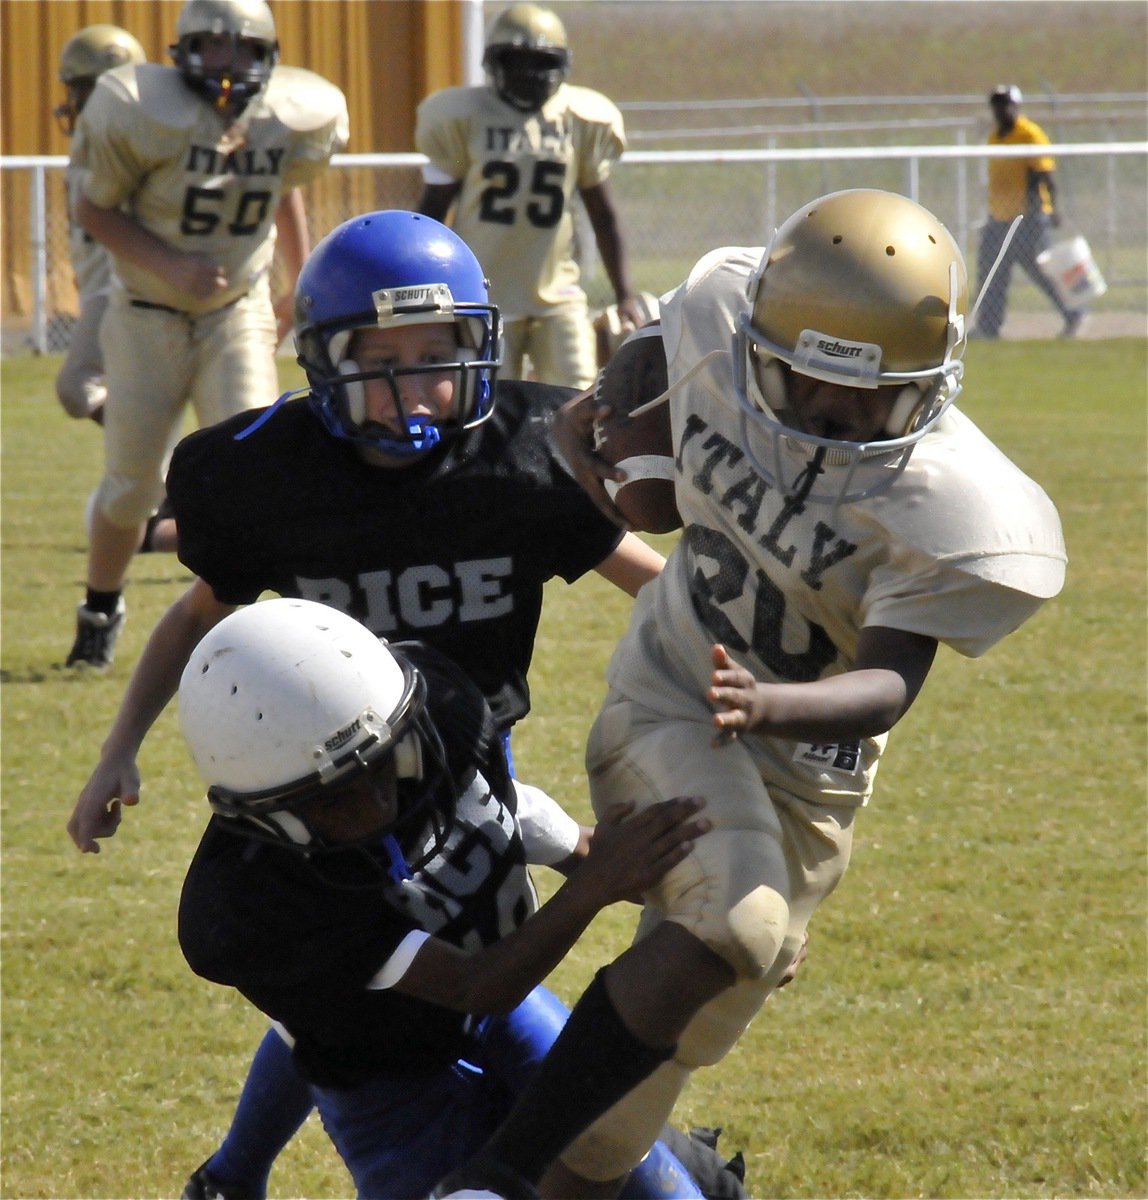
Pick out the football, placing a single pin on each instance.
(641, 445)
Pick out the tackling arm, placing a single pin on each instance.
(626, 857)
(631, 564)
(116, 780)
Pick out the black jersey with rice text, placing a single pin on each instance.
(453, 550)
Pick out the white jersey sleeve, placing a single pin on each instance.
(316, 113)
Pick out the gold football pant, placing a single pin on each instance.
(560, 347)
(157, 362)
(747, 890)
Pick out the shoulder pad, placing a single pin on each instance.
(964, 503)
(451, 103)
(151, 89)
(304, 101)
(588, 105)
(701, 314)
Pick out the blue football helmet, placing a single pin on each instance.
(387, 270)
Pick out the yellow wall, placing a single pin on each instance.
(385, 55)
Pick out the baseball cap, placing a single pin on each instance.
(1006, 91)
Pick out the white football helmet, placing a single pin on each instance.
(861, 288)
(285, 699)
(246, 22)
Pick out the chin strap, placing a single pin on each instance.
(677, 386)
(268, 413)
(1008, 237)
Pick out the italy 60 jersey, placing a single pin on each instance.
(154, 146)
(962, 548)
(519, 172)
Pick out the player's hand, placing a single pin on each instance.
(197, 275)
(98, 810)
(630, 854)
(736, 696)
(802, 954)
(573, 433)
(631, 313)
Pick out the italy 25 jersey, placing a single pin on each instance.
(157, 148)
(963, 548)
(519, 173)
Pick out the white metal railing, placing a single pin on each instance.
(771, 158)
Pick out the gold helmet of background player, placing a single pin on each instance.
(254, 48)
(864, 289)
(527, 56)
(85, 57)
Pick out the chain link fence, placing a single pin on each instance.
(676, 205)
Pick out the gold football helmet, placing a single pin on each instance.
(863, 289)
(527, 56)
(246, 22)
(85, 57)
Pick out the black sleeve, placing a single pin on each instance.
(207, 484)
(259, 918)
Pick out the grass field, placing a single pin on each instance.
(970, 1023)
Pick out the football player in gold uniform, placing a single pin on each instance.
(190, 172)
(841, 519)
(85, 57)
(510, 157)
(80, 385)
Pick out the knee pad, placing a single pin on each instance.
(125, 501)
(622, 1135)
(732, 895)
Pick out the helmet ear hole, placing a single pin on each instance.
(355, 392)
(906, 408)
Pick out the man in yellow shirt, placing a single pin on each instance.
(1018, 186)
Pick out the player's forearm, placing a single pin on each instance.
(614, 260)
(292, 237)
(498, 978)
(156, 676)
(124, 236)
(631, 564)
(608, 238)
(854, 705)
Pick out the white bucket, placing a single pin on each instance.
(1071, 269)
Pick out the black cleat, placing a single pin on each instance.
(96, 636)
